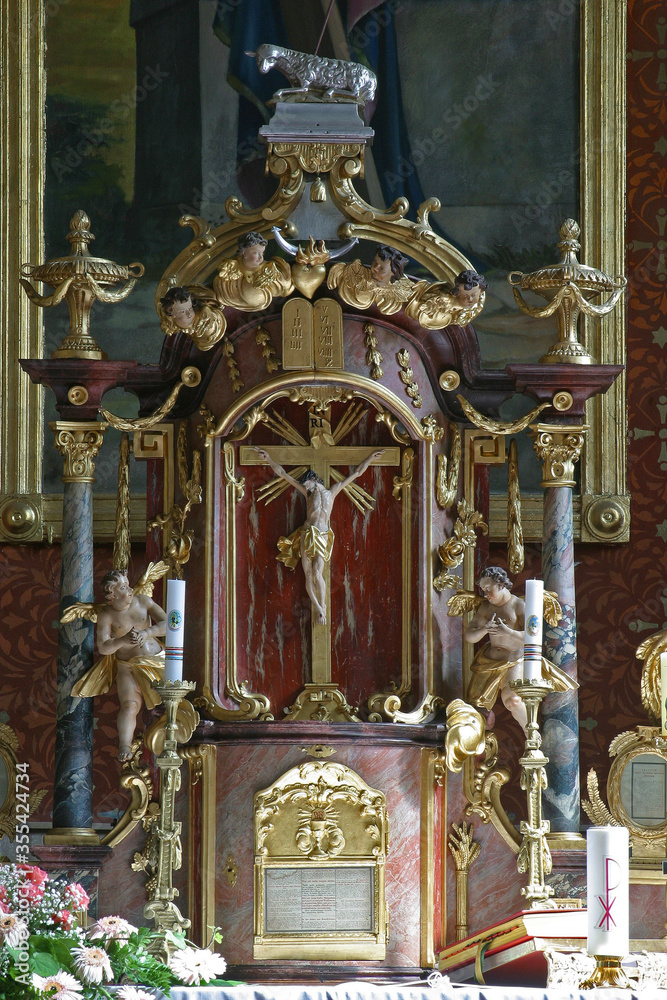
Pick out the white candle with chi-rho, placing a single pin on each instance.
(532, 639)
(173, 642)
(608, 890)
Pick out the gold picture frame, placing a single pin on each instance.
(320, 829)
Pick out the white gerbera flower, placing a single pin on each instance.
(62, 985)
(111, 927)
(196, 965)
(13, 930)
(92, 964)
(132, 993)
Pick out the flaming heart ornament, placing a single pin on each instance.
(308, 269)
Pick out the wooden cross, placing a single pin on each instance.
(321, 454)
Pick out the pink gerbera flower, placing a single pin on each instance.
(196, 965)
(111, 927)
(92, 964)
(133, 993)
(13, 930)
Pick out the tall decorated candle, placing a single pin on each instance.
(534, 612)
(173, 644)
(608, 878)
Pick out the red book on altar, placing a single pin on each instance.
(512, 951)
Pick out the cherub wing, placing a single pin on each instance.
(80, 609)
(204, 294)
(229, 269)
(649, 651)
(462, 601)
(146, 581)
(552, 609)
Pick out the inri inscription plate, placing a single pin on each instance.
(319, 899)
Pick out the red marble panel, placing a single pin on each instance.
(393, 770)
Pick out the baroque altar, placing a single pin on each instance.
(322, 415)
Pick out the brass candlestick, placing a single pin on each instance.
(608, 972)
(534, 854)
(161, 907)
(569, 286)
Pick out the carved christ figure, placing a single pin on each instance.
(313, 541)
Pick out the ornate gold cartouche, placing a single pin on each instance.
(80, 279)
(569, 286)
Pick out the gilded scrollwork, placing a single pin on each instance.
(447, 477)
(466, 733)
(230, 478)
(451, 552)
(135, 777)
(306, 797)
(482, 785)
(177, 551)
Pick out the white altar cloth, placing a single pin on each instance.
(371, 991)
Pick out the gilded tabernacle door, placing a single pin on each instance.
(320, 520)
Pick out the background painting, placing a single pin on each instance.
(151, 115)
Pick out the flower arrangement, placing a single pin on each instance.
(43, 953)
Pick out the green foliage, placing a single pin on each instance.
(131, 961)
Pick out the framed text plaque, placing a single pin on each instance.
(321, 837)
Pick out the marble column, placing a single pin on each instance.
(559, 447)
(78, 442)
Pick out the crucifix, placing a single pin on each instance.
(313, 469)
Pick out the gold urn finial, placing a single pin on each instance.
(79, 279)
(569, 286)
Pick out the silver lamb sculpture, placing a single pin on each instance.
(317, 73)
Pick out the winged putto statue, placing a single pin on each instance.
(128, 624)
(499, 615)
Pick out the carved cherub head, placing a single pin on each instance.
(180, 305)
(468, 287)
(493, 581)
(251, 250)
(117, 590)
(388, 265)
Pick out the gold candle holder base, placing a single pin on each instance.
(161, 907)
(608, 972)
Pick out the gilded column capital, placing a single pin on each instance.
(78, 442)
(558, 446)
